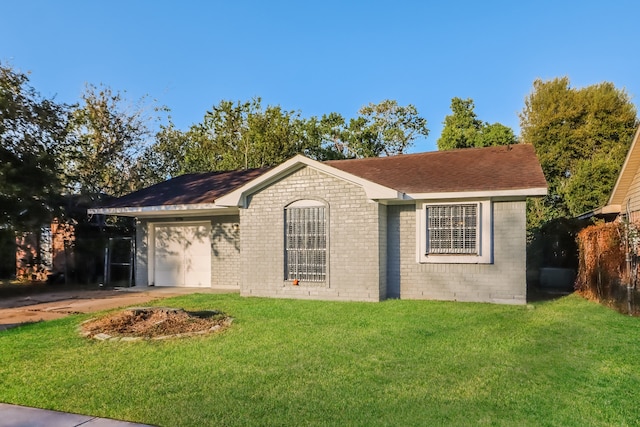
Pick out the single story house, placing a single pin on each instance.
(625, 197)
(448, 225)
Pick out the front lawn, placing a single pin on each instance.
(288, 362)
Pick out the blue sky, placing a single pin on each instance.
(323, 56)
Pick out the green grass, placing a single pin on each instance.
(286, 362)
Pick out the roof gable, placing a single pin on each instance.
(374, 191)
(629, 170)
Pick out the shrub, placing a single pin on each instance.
(603, 274)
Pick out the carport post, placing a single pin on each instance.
(105, 278)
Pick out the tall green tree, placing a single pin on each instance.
(163, 159)
(581, 137)
(32, 131)
(386, 128)
(109, 135)
(232, 135)
(379, 129)
(493, 134)
(463, 129)
(243, 135)
(325, 138)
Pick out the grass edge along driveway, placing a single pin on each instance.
(290, 362)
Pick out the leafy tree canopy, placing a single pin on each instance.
(581, 137)
(231, 136)
(388, 128)
(108, 135)
(32, 130)
(244, 135)
(463, 129)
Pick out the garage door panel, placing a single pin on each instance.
(183, 255)
(169, 270)
(197, 270)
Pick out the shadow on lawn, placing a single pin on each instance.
(536, 294)
(13, 288)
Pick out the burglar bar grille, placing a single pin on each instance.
(306, 244)
(452, 229)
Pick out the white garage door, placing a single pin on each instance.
(182, 255)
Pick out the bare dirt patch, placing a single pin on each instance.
(154, 323)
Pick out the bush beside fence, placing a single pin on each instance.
(603, 273)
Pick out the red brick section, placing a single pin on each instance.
(510, 167)
(187, 189)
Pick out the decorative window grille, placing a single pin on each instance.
(306, 244)
(452, 229)
(46, 247)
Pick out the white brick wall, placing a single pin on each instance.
(225, 252)
(503, 281)
(354, 253)
(142, 254)
(371, 255)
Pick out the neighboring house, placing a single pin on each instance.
(447, 225)
(625, 197)
(39, 255)
(69, 248)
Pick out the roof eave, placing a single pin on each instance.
(604, 210)
(164, 210)
(519, 193)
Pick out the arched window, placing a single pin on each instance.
(306, 241)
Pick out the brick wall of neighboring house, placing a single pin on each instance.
(63, 237)
(503, 281)
(354, 264)
(27, 258)
(41, 254)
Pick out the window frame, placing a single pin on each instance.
(306, 204)
(484, 239)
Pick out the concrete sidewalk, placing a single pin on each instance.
(22, 416)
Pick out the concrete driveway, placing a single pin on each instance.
(44, 306)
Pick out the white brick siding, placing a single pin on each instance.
(503, 281)
(354, 262)
(142, 254)
(371, 249)
(225, 252)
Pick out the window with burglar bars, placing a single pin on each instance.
(452, 229)
(306, 244)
